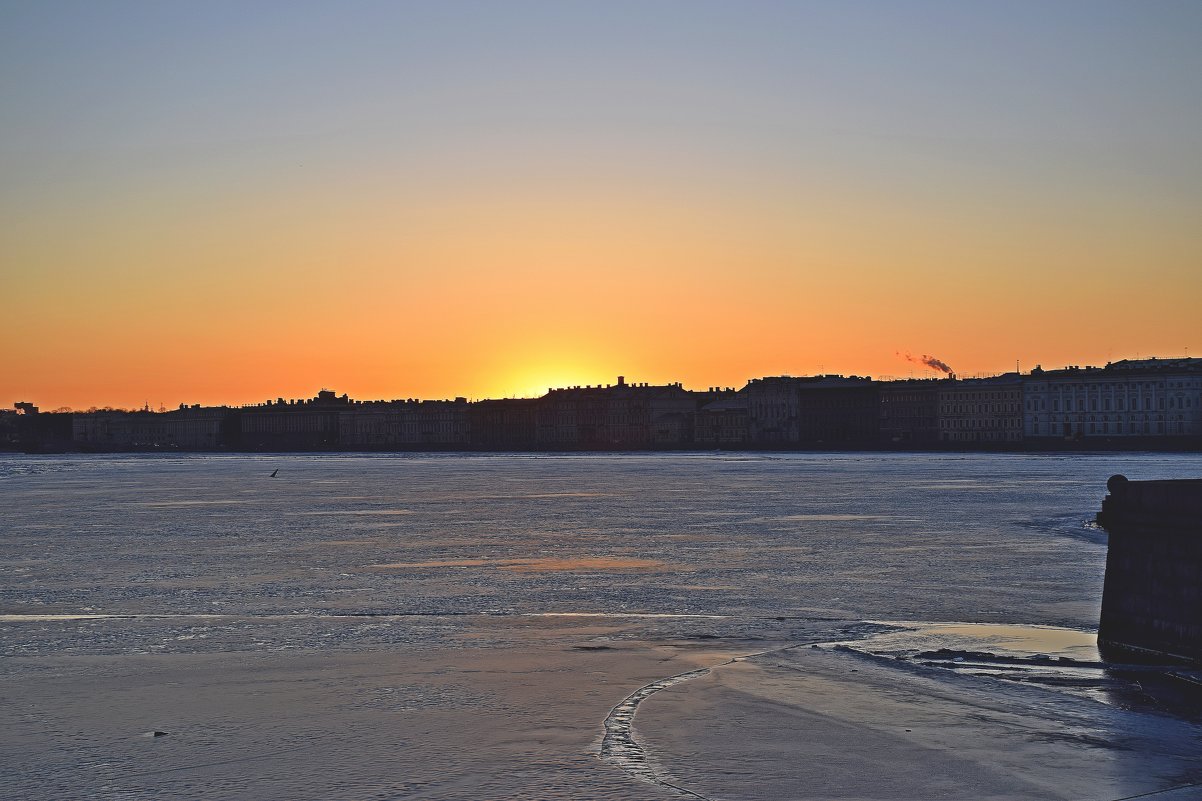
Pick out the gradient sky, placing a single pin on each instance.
(229, 201)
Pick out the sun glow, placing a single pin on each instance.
(534, 382)
(533, 371)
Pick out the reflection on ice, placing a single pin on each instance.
(432, 563)
(997, 638)
(44, 618)
(89, 616)
(1058, 658)
(829, 518)
(366, 512)
(192, 502)
(538, 564)
(652, 615)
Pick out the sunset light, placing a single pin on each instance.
(516, 208)
(600, 399)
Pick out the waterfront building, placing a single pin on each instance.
(837, 410)
(785, 411)
(673, 414)
(910, 411)
(40, 432)
(1127, 399)
(981, 410)
(722, 423)
(621, 416)
(404, 425)
(9, 436)
(618, 417)
(294, 425)
(189, 428)
(507, 424)
(1124, 402)
(772, 410)
(568, 418)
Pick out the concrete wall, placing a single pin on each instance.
(1152, 599)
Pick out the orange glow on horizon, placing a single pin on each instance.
(498, 293)
(433, 204)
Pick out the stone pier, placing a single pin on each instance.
(1152, 601)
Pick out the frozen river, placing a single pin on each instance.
(450, 626)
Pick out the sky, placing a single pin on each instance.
(225, 202)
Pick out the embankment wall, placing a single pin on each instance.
(1152, 600)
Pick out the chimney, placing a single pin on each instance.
(621, 380)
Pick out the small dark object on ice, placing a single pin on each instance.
(273, 472)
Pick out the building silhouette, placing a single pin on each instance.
(1148, 403)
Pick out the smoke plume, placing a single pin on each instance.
(928, 361)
